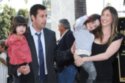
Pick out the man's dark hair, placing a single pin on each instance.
(65, 23)
(34, 9)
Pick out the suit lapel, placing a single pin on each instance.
(33, 50)
(46, 36)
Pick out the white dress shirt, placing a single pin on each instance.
(35, 38)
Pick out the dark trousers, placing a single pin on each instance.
(43, 80)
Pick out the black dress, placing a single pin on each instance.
(104, 68)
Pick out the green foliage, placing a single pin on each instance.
(47, 3)
(5, 21)
(26, 1)
(6, 17)
(23, 12)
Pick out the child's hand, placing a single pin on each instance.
(25, 69)
(78, 61)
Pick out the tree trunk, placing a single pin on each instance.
(80, 8)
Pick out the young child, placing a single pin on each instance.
(84, 39)
(18, 50)
(3, 64)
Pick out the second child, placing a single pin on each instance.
(84, 37)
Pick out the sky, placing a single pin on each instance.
(20, 4)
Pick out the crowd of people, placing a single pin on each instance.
(31, 54)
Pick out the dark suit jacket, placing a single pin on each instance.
(64, 56)
(50, 45)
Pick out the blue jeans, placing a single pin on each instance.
(67, 75)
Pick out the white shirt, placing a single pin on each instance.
(35, 38)
(62, 36)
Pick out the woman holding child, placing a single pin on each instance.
(105, 46)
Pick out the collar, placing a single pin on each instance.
(63, 34)
(33, 31)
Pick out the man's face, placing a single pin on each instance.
(61, 29)
(39, 21)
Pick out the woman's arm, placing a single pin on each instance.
(111, 50)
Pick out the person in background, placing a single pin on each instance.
(18, 50)
(105, 47)
(84, 38)
(3, 62)
(66, 69)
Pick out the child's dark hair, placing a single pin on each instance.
(98, 31)
(18, 21)
(92, 18)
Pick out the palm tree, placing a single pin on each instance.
(80, 8)
(123, 2)
(26, 1)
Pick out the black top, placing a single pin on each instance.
(104, 68)
(64, 56)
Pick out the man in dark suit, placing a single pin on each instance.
(42, 49)
(65, 63)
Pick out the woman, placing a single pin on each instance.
(105, 46)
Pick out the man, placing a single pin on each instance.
(42, 43)
(65, 63)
